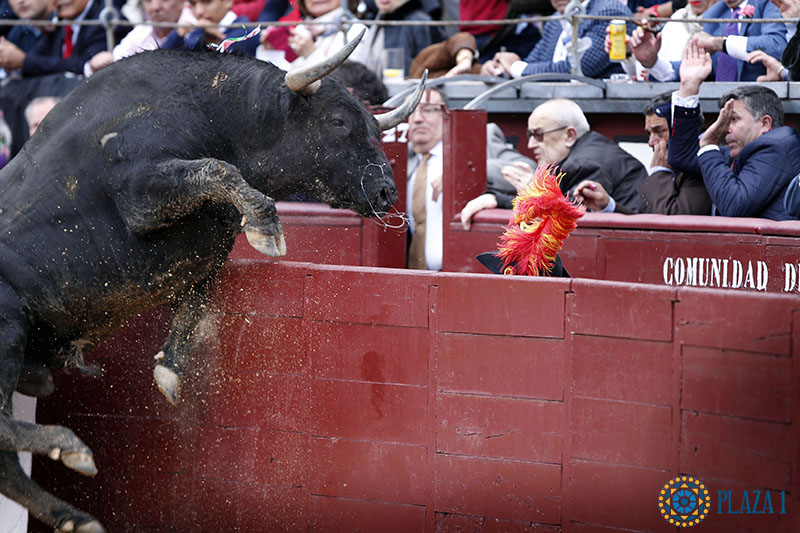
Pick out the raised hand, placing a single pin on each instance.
(715, 134)
(695, 67)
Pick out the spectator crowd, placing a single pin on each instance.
(745, 163)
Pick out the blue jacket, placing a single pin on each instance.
(752, 185)
(791, 201)
(769, 37)
(595, 62)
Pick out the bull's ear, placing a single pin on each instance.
(306, 80)
(396, 116)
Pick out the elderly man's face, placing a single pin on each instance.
(426, 123)
(554, 145)
(744, 128)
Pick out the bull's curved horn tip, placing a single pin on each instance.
(305, 79)
(396, 116)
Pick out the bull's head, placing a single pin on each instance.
(343, 155)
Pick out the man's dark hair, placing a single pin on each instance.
(759, 101)
(661, 105)
(365, 84)
(656, 101)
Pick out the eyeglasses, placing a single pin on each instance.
(430, 110)
(539, 134)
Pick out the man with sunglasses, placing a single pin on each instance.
(558, 134)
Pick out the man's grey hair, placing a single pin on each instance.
(759, 101)
(567, 113)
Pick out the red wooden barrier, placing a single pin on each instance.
(719, 252)
(340, 399)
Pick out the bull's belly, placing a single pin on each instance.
(85, 301)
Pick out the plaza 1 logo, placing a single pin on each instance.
(684, 501)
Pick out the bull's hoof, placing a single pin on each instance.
(91, 527)
(80, 462)
(168, 383)
(271, 245)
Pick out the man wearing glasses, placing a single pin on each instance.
(558, 134)
(424, 188)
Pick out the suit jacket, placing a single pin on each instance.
(46, 56)
(595, 62)
(665, 193)
(593, 157)
(770, 37)
(752, 185)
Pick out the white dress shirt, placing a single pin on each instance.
(433, 209)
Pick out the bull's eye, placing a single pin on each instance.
(338, 122)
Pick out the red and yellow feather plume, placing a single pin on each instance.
(543, 218)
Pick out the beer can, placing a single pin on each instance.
(617, 35)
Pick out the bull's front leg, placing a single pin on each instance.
(179, 187)
(170, 361)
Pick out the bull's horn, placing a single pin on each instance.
(396, 116)
(306, 80)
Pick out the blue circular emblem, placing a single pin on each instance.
(684, 501)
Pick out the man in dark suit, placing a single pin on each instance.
(749, 176)
(69, 48)
(664, 191)
(729, 43)
(551, 53)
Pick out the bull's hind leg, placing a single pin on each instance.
(45, 507)
(170, 361)
(178, 187)
(55, 441)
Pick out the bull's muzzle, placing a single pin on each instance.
(382, 198)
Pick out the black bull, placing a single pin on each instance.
(130, 195)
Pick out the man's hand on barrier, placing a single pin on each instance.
(772, 65)
(484, 201)
(645, 46)
(592, 195)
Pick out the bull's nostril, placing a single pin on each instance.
(385, 197)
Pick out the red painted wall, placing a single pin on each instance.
(343, 399)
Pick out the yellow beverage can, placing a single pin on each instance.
(617, 35)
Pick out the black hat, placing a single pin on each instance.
(495, 265)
